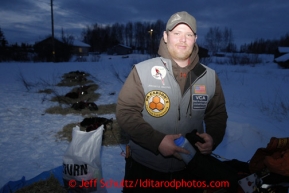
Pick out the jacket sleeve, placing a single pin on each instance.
(216, 115)
(129, 109)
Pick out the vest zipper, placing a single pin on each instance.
(191, 93)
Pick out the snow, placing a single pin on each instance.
(257, 104)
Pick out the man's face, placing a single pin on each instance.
(180, 42)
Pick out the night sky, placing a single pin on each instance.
(28, 21)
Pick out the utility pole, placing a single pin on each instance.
(52, 28)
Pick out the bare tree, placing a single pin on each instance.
(140, 36)
(66, 38)
(117, 31)
(128, 34)
(3, 47)
(217, 40)
(213, 40)
(228, 41)
(158, 28)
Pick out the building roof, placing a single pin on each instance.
(76, 43)
(283, 49)
(80, 43)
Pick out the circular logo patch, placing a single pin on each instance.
(157, 103)
(158, 72)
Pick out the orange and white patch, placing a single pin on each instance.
(157, 103)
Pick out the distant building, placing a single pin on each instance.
(119, 50)
(63, 51)
(80, 48)
(281, 57)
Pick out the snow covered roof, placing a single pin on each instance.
(282, 58)
(77, 43)
(80, 44)
(283, 49)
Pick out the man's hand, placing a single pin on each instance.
(168, 147)
(207, 147)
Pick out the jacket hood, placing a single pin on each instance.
(194, 58)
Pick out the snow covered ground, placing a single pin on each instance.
(257, 104)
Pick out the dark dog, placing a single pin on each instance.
(93, 123)
(72, 95)
(75, 95)
(78, 105)
(82, 105)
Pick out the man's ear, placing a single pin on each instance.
(165, 36)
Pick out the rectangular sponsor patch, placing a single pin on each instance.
(200, 89)
(200, 101)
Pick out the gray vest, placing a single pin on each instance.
(167, 111)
